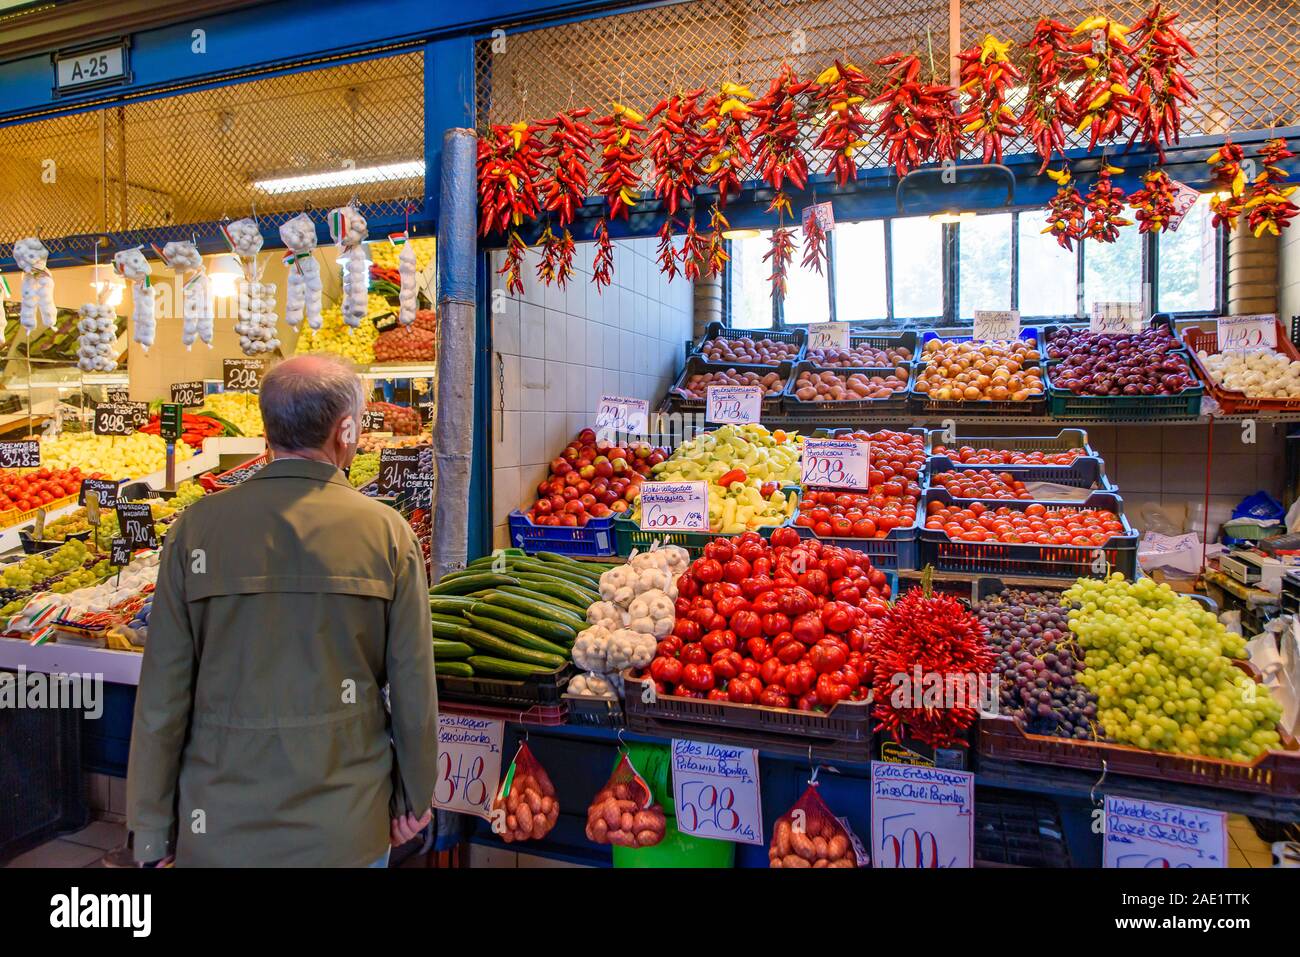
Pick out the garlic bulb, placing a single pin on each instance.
(303, 293)
(406, 269)
(256, 325)
(1258, 373)
(30, 255)
(348, 228)
(98, 333)
(244, 237)
(196, 297)
(132, 266)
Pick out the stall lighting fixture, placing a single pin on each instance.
(342, 177)
(949, 216)
(224, 284)
(110, 289)
(741, 233)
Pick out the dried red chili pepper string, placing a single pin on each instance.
(1154, 202)
(677, 147)
(564, 187)
(814, 243)
(513, 263)
(716, 257)
(1100, 64)
(1105, 207)
(695, 251)
(986, 75)
(602, 264)
(726, 139)
(781, 254)
(1159, 85)
(1269, 208)
(780, 116)
(919, 123)
(1064, 210)
(620, 141)
(1229, 198)
(666, 253)
(509, 164)
(840, 93)
(1048, 106)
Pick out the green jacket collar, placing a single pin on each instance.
(301, 468)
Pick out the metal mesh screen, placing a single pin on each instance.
(157, 165)
(1248, 70)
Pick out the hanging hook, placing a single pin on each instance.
(1092, 791)
(621, 743)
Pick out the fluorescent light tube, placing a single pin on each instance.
(342, 177)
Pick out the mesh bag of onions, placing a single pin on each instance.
(525, 807)
(809, 835)
(624, 812)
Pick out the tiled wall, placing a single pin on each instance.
(557, 351)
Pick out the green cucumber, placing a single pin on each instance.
(579, 597)
(544, 628)
(515, 634)
(486, 665)
(557, 604)
(488, 643)
(456, 669)
(447, 630)
(449, 604)
(469, 583)
(555, 571)
(586, 568)
(530, 604)
(450, 649)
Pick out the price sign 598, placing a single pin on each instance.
(836, 463)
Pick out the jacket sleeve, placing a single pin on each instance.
(163, 704)
(412, 689)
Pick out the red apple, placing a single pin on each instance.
(570, 494)
(543, 506)
(574, 507)
(583, 486)
(587, 436)
(560, 467)
(600, 510)
(619, 506)
(557, 502)
(582, 518)
(570, 452)
(572, 478)
(569, 520)
(603, 467)
(620, 465)
(608, 497)
(587, 471)
(631, 493)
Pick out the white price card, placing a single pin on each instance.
(618, 413)
(1151, 834)
(469, 762)
(824, 214)
(734, 404)
(715, 790)
(828, 335)
(675, 506)
(1239, 333)
(836, 463)
(999, 325)
(1116, 317)
(1184, 199)
(921, 817)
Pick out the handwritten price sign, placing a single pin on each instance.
(836, 463)
(1239, 333)
(922, 817)
(675, 506)
(242, 375)
(734, 404)
(1116, 317)
(824, 213)
(469, 763)
(617, 413)
(828, 335)
(1184, 199)
(1150, 834)
(716, 792)
(996, 325)
(25, 454)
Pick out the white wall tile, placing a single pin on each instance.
(557, 393)
(575, 296)
(557, 433)
(505, 493)
(510, 384)
(532, 331)
(532, 384)
(505, 439)
(576, 385)
(595, 334)
(613, 351)
(532, 439)
(556, 298)
(505, 327)
(575, 339)
(557, 334)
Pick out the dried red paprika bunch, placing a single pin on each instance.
(919, 123)
(1049, 108)
(839, 94)
(602, 264)
(677, 148)
(1100, 63)
(1269, 208)
(509, 165)
(558, 252)
(716, 257)
(779, 117)
(1229, 198)
(781, 254)
(1159, 86)
(726, 140)
(694, 252)
(986, 75)
(1064, 210)
(1154, 202)
(666, 253)
(814, 243)
(568, 146)
(1105, 206)
(513, 265)
(620, 142)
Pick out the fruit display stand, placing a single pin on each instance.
(844, 411)
(593, 540)
(772, 405)
(1230, 401)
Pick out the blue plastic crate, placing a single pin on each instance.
(898, 551)
(595, 539)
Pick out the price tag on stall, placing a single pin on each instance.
(135, 519)
(25, 454)
(921, 817)
(836, 463)
(1151, 834)
(117, 395)
(824, 212)
(675, 506)
(1116, 317)
(372, 420)
(242, 375)
(996, 325)
(119, 552)
(1239, 333)
(716, 793)
(734, 404)
(188, 394)
(618, 413)
(103, 491)
(424, 405)
(38, 526)
(112, 418)
(395, 467)
(828, 335)
(419, 485)
(1184, 199)
(468, 763)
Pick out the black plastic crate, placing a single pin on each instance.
(844, 410)
(772, 404)
(716, 330)
(594, 712)
(42, 778)
(1016, 829)
(547, 689)
(906, 340)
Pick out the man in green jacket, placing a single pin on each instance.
(284, 606)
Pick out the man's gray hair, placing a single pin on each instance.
(303, 398)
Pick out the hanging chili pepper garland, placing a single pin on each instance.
(726, 139)
(1064, 210)
(1269, 208)
(621, 150)
(1154, 202)
(716, 258)
(563, 188)
(695, 251)
(1229, 198)
(602, 264)
(986, 75)
(509, 163)
(676, 147)
(781, 254)
(919, 123)
(666, 253)
(513, 263)
(1048, 107)
(814, 243)
(780, 116)
(1100, 64)
(1159, 85)
(1105, 206)
(546, 265)
(840, 93)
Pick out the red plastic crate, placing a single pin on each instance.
(1231, 402)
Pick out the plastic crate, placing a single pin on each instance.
(1276, 773)
(509, 693)
(216, 482)
(594, 540)
(1230, 401)
(1083, 473)
(629, 536)
(772, 404)
(593, 712)
(42, 777)
(1044, 561)
(844, 732)
(843, 410)
(1063, 441)
(546, 715)
(921, 402)
(12, 519)
(906, 340)
(1015, 829)
(1064, 404)
(1049, 331)
(716, 330)
(898, 551)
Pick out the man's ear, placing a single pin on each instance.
(348, 430)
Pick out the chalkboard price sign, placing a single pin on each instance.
(395, 466)
(105, 489)
(136, 521)
(242, 375)
(188, 394)
(119, 553)
(20, 455)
